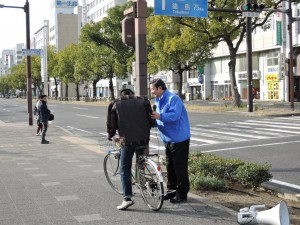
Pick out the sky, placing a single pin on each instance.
(13, 21)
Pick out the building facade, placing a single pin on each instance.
(7, 61)
(270, 72)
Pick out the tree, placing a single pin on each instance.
(5, 85)
(105, 38)
(52, 61)
(17, 77)
(230, 28)
(36, 73)
(175, 47)
(66, 65)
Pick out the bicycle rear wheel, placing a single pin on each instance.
(111, 166)
(151, 186)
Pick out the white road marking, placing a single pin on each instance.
(268, 125)
(73, 128)
(80, 108)
(250, 146)
(285, 184)
(93, 117)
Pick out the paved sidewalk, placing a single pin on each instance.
(63, 183)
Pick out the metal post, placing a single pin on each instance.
(249, 67)
(28, 60)
(291, 55)
(141, 48)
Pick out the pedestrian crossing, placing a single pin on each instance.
(237, 131)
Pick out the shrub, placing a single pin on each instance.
(252, 174)
(199, 182)
(219, 171)
(212, 165)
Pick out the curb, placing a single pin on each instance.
(284, 192)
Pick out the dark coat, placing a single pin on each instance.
(131, 116)
(44, 112)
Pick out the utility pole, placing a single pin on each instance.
(291, 69)
(141, 48)
(28, 61)
(249, 63)
(134, 35)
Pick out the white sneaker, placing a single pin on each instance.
(125, 205)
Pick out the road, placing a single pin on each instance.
(273, 140)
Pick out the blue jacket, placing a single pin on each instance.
(173, 124)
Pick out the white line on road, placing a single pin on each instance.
(80, 108)
(93, 117)
(285, 184)
(250, 146)
(73, 128)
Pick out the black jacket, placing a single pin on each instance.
(44, 112)
(131, 116)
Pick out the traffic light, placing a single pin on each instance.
(128, 34)
(249, 7)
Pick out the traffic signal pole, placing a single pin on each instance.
(291, 69)
(249, 62)
(28, 61)
(141, 48)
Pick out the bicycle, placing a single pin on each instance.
(147, 175)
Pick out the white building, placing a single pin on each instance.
(64, 29)
(270, 79)
(96, 10)
(18, 53)
(7, 61)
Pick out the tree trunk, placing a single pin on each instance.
(111, 86)
(180, 74)
(236, 101)
(67, 91)
(56, 90)
(77, 92)
(180, 84)
(94, 87)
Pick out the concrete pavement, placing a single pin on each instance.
(63, 183)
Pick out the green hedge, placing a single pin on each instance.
(208, 171)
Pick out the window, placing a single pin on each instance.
(272, 58)
(216, 66)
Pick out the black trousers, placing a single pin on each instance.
(177, 155)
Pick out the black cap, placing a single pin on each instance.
(127, 91)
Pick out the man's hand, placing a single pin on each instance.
(155, 115)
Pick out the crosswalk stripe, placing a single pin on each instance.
(274, 123)
(236, 131)
(205, 140)
(249, 129)
(293, 118)
(222, 137)
(269, 125)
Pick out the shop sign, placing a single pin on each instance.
(271, 77)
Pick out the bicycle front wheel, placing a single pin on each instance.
(151, 186)
(111, 166)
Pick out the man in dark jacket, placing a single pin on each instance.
(131, 116)
(44, 113)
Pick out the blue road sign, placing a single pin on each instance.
(31, 52)
(181, 8)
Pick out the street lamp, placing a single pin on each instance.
(28, 61)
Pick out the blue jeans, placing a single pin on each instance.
(127, 153)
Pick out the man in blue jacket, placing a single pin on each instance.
(174, 127)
